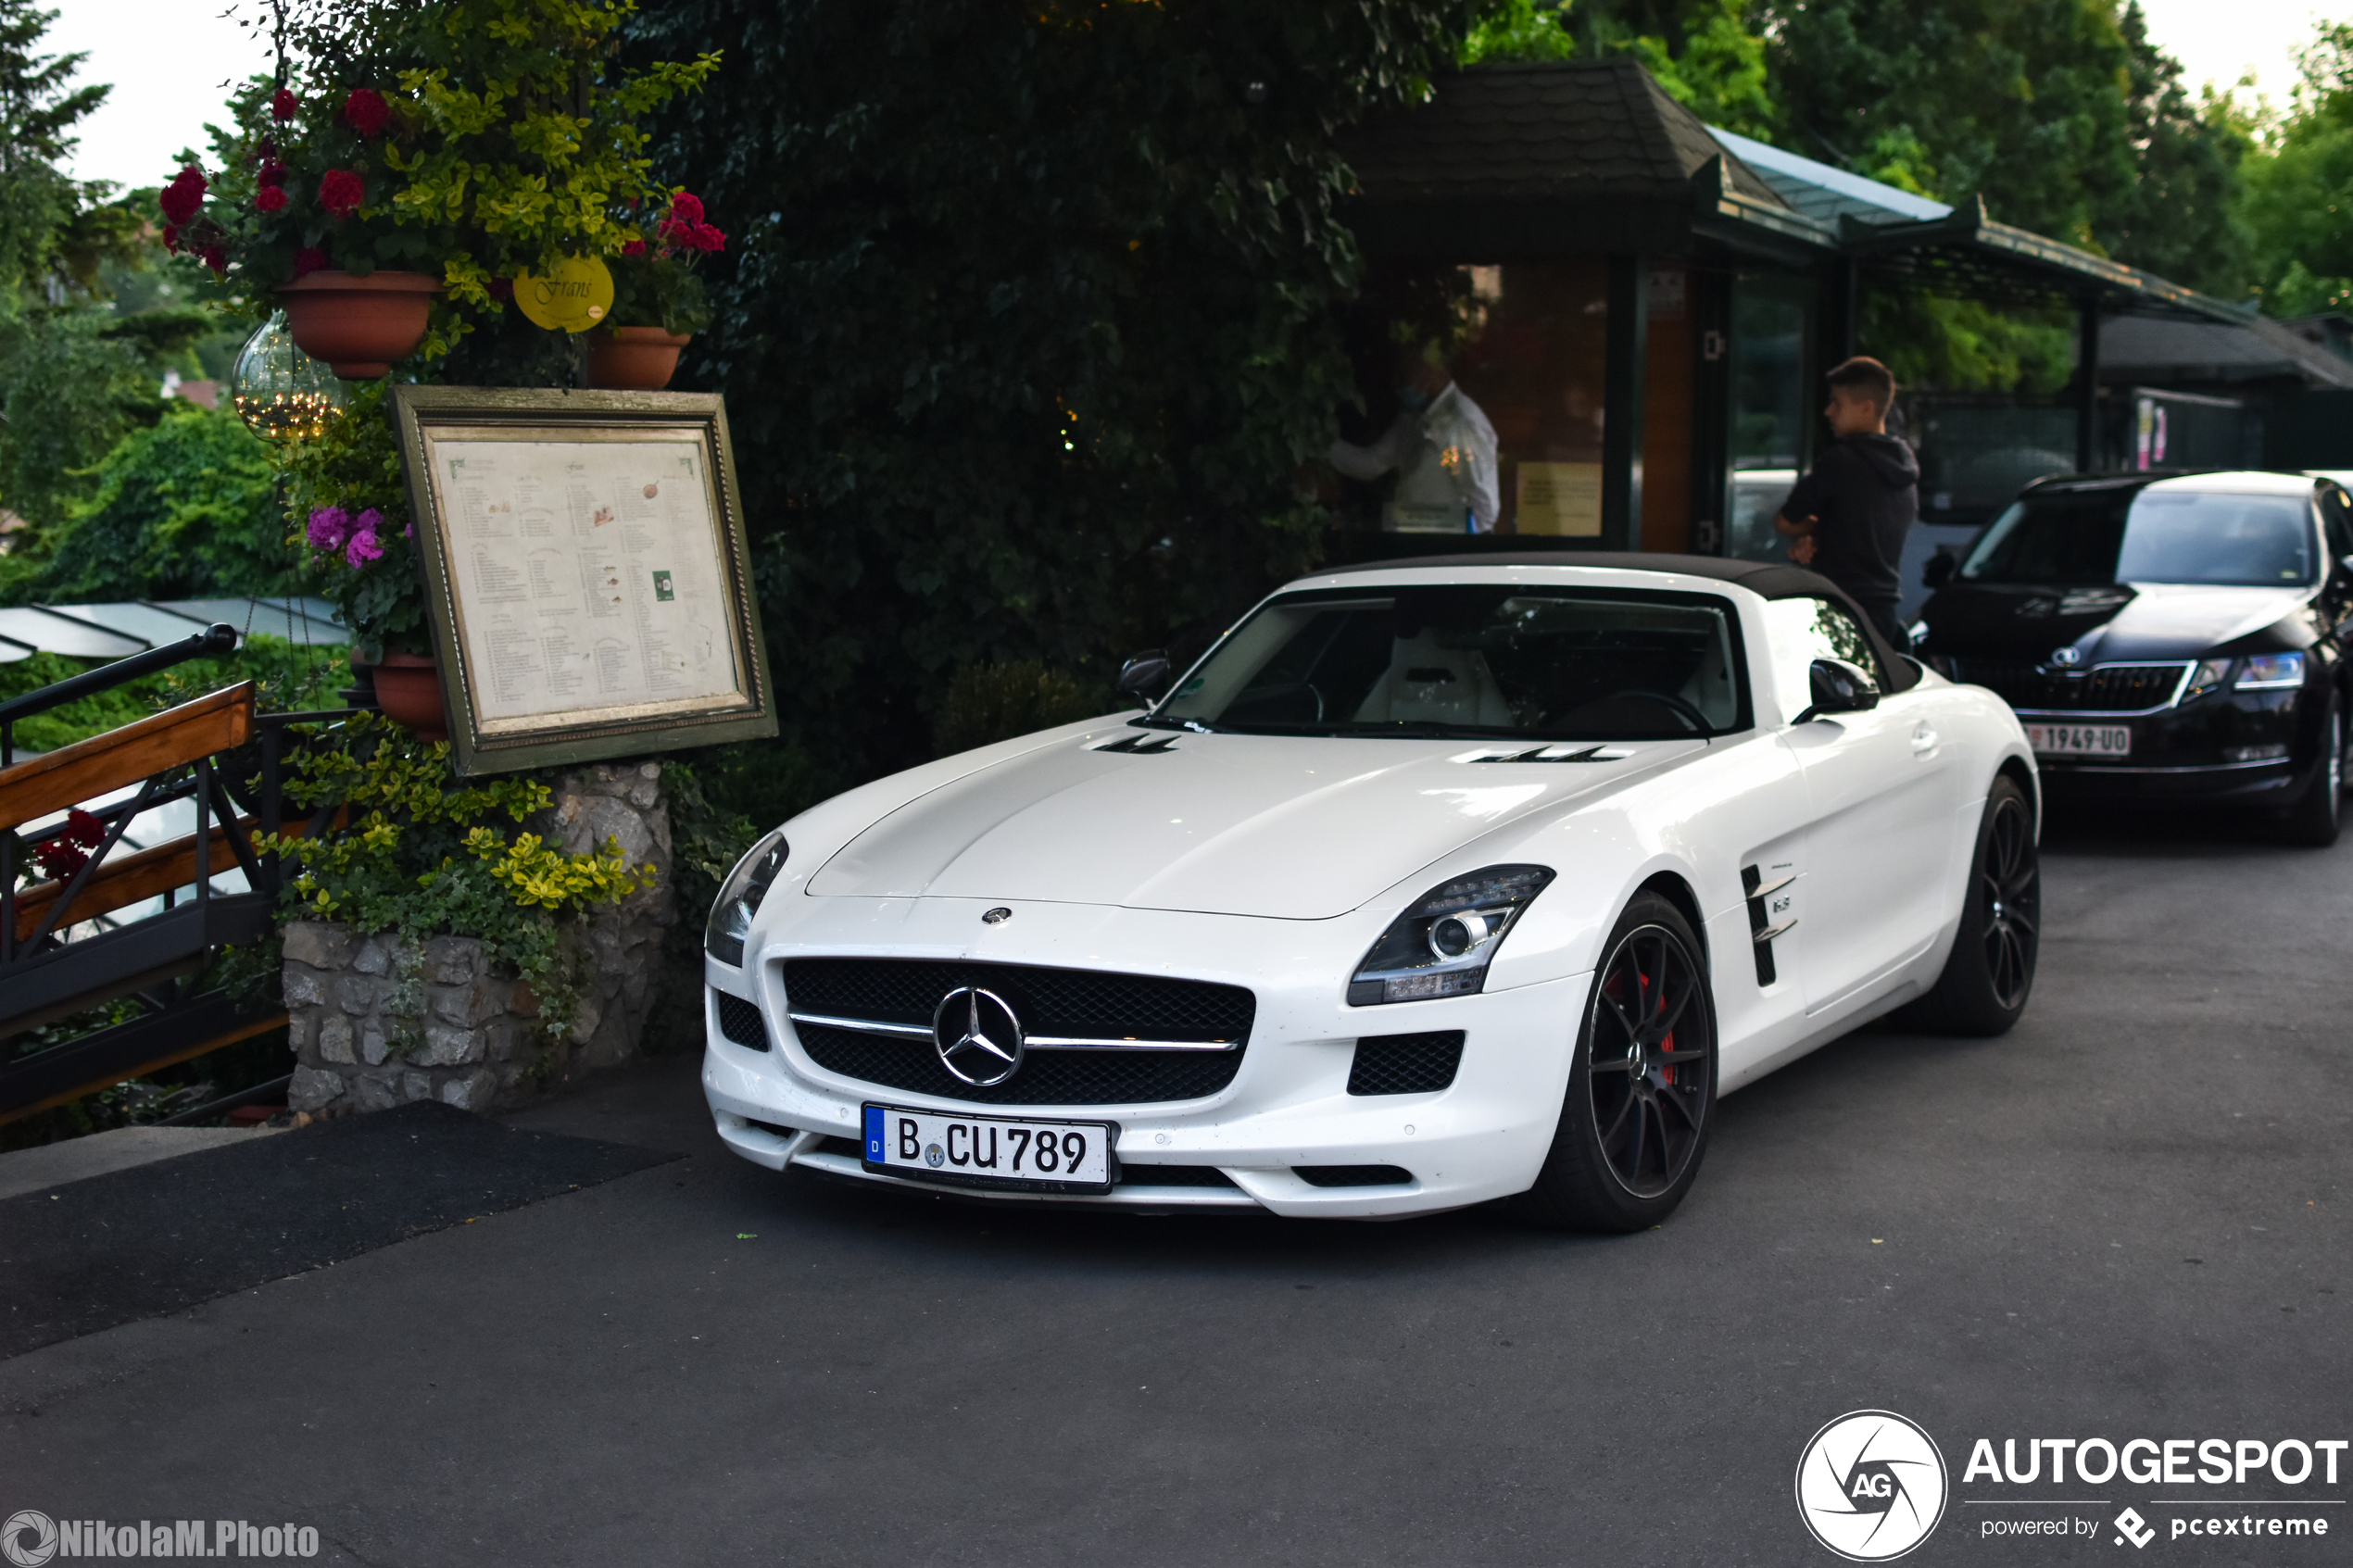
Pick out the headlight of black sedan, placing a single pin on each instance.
(739, 898)
(1442, 944)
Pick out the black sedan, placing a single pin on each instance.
(2176, 638)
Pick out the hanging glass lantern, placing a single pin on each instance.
(280, 390)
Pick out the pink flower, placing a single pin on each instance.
(341, 193)
(362, 549)
(686, 209)
(281, 105)
(310, 260)
(184, 195)
(269, 198)
(706, 238)
(330, 526)
(365, 111)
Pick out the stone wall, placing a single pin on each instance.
(376, 1022)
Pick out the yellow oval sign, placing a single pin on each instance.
(577, 296)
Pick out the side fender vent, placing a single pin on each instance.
(1771, 913)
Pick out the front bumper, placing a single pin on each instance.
(1484, 1137)
(2226, 747)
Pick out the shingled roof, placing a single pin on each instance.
(1574, 132)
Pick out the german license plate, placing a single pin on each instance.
(2080, 740)
(989, 1151)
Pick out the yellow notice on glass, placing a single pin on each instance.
(1564, 498)
(577, 296)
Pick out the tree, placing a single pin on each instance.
(1027, 323)
(184, 508)
(2298, 190)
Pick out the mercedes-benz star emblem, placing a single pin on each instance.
(979, 1039)
(2067, 658)
(996, 916)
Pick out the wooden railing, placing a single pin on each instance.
(158, 957)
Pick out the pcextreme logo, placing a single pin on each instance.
(1871, 1486)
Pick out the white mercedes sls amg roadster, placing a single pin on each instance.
(1431, 883)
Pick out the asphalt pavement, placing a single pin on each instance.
(2126, 1219)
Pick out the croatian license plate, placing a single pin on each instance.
(989, 1151)
(2080, 740)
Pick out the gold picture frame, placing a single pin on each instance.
(587, 576)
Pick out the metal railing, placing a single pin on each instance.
(216, 753)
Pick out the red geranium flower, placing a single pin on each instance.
(184, 195)
(365, 111)
(686, 209)
(706, 238)
(310, 260)
(281, 105)
(269, 198)
(63, 855)
(341, 193)
(171, 238)
(216, 257)
(273, 174)
(635, 247)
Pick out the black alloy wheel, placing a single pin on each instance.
(2314, 819)
(1642, 1086)
(1989, 972)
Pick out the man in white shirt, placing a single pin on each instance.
(1443, 449)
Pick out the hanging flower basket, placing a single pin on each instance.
(362, 326)
(409, 693)
(634, 358)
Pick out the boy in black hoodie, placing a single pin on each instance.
(1850, 514)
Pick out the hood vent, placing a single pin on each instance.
(1551, 753)
(1138, 745)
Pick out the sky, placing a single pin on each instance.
(169, 60)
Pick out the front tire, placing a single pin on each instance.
(2313, 821)
(1641, 1090)
(1991, 970)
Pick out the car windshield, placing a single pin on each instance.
(1478, 660)
(2085, 539)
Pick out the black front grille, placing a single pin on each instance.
(1091, 1077)
(1406, 1064)
(1354, 1175)
(2116, 688)
(1081, 1002)
(739, 1021)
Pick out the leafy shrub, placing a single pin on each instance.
(986, 703)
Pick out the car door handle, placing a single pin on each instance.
(1923, 740)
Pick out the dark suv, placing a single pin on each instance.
(2165, 637)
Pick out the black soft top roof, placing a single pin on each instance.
(1772, 579)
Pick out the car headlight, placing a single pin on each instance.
(2270, 671)
(1442, 946)
(2209, 674)
(739, 898)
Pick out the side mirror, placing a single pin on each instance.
(1146, 676)
(1837, 687)
(1938, 570)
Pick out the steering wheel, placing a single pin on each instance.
(1675, 704)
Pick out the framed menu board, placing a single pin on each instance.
(586, 572)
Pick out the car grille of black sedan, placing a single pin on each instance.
(2110, 688)
(1136, 1011)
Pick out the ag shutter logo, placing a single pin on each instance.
(28, 1538)
(1871, 1486)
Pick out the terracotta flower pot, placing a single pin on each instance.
(634, 358)
(408, 692)
(358, 325)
